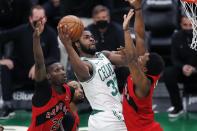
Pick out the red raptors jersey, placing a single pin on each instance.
(49, 116)
(77, 121)
(138, 113)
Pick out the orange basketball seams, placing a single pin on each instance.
(74, 25)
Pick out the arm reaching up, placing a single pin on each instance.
(139, 27)
(139, 78)
(129, 46)
(81, 68)
(40, 69)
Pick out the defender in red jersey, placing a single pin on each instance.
(51, 101)
(73, 104)
(145, 69)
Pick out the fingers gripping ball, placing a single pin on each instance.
(74, 26)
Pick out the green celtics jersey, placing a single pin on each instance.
(101, 89)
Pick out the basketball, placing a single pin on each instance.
(74, 26)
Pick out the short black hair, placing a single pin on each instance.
(99, 8)
(39, 7)
(49, 62)
(155, 65)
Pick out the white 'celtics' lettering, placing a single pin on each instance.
(105, 71)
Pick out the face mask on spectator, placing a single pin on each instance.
(102, 24)
(188, 32)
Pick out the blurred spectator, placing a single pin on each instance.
(108, 36)
(6, 50)
(14, 12)
(65, 62)
(52, 8)
(69, 72)
(63, 55)
(184, 65)
(23, 72)
(5, 61)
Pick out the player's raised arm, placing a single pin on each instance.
(40, 69)
(81, 68)
(130, 49)
(139, 78)
(139, 26)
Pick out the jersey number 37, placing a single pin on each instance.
(113, 84)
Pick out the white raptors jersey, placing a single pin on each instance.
(101, 89)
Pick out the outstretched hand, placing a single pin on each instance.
(63, 35)
(127, 19)
(38, 28)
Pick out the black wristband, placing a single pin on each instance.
(139, 8)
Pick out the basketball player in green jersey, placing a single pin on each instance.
(95, 72)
